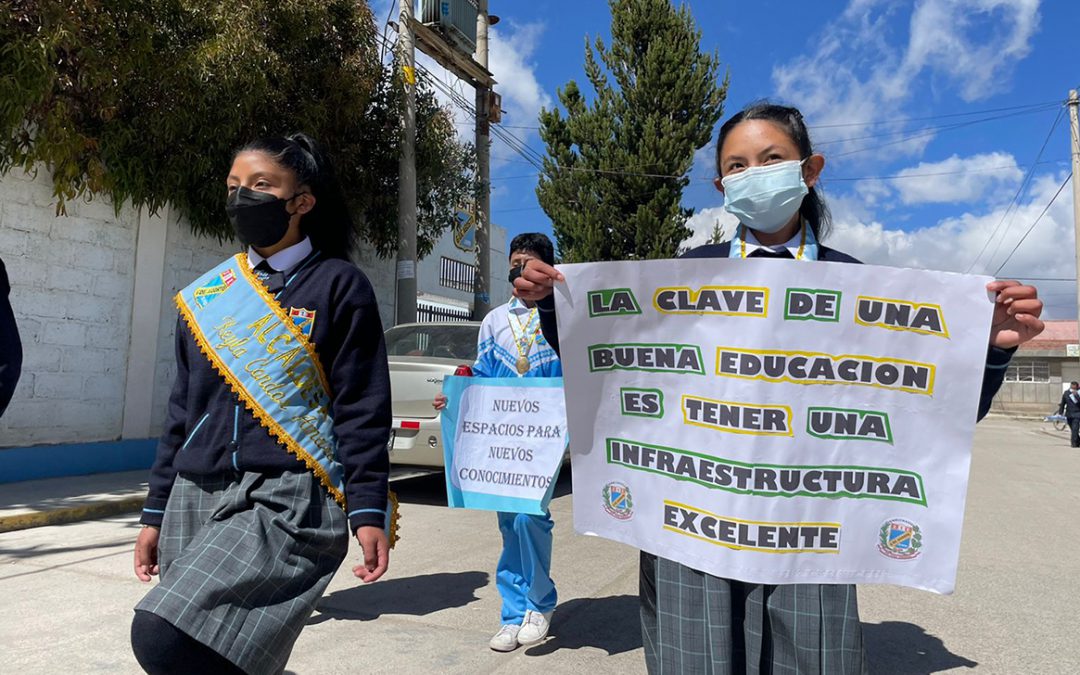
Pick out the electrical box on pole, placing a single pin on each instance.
(455, 19)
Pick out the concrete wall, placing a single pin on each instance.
(93, 297)
(71, 281)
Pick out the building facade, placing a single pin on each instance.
(445, 278)
(1040, 370)
(93, 295)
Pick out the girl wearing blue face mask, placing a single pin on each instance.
(693, 622)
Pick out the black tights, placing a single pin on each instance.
(163, 649)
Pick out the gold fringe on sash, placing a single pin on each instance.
(261, 416)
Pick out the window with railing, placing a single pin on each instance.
(455, 274)
(426, 313)
(1028, 371)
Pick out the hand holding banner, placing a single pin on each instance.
(504, 441)
(775, 422)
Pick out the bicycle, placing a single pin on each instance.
(1060, 422)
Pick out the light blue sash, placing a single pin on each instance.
(268, 361)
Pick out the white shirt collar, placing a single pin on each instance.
(517, 306)
(285, 259)
(792, 245)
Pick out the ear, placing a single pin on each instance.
(304, 203)
(812, 169)
(719, 185)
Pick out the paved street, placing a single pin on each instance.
(67, 590)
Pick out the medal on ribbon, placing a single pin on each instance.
(525, 335)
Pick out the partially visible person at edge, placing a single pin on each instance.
(510, 344)
(10, 345)
(694, 622)
(250, 510)
(1070, 407)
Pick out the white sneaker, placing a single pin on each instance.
(534, 627)
(506, 640)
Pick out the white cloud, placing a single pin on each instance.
(941, 39)
(509, 60)
(704, 220)
(873, 192)
(957, 179)
(953, 244)
(862, 71)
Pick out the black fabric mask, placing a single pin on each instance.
(260, 219)
(515, 272)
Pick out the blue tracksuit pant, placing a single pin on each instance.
(524, 572)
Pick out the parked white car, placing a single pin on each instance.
(421, 355)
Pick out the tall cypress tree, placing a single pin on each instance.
(616, 167)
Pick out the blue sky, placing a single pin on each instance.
(930, 115)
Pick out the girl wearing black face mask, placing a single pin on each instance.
(274, 449)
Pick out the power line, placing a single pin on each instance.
(1070, 279)
(1051, 203)
(922, 133)
(898, 176)
(516, 144)
(904, 120)
(881, 122)
(1016, 197)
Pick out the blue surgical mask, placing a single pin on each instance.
(764, 198)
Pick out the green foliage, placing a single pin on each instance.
(616, 167)
(144, 102)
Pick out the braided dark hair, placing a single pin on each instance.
(790, 120)
(329, 224)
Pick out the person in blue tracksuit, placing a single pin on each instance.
(693, 622)
(510, 344)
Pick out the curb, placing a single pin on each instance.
(25, 521)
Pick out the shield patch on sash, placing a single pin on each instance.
(303, 318)
(216, 286)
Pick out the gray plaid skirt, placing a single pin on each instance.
(693, 623)
(244, 558)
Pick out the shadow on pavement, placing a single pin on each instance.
(126, 540)
(902, 648)
(610, 623)
(413, 596)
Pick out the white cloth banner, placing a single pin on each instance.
(775, 422)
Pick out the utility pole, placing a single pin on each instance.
(434, 40)
(1074, 134)
(482, 289)
(406, 253)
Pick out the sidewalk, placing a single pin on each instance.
(54, 501)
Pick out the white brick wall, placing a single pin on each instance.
(381, 275)
(71, 279)
(72, 291)
(187, 257)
